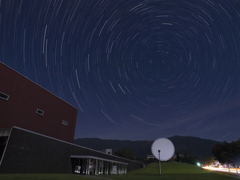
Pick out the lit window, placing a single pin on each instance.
(4, 96)
(40, 112)
(64, 122)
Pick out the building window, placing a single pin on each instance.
(4, 96)
(64, 122)
(40, 112)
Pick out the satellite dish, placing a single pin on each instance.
(163, 149)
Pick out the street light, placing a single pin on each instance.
(159, 164)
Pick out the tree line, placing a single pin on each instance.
(228, 153)
(225, 152)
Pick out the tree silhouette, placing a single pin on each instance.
(125, 153)
(227, 153)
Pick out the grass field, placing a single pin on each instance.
(43, 177)
(170, 171)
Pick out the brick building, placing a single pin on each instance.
(37, 133)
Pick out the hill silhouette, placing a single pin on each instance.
(193, 145)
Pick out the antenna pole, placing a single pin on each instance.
(159, 164)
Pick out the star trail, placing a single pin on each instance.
(136, 70)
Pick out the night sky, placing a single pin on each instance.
(134, 69)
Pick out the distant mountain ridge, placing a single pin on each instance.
(193, 145)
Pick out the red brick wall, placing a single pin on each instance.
(25, 97)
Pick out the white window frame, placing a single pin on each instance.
(3, 94)
(64, 122)
(40, 112)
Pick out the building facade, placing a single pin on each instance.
(37, 133)
(25, 104)
(29, 152)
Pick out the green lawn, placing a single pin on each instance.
(170, 171)
(43, 177)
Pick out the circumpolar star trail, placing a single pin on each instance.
(136, 70)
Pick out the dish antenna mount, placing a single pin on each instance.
(163, 150)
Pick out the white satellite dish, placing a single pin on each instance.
(163, 149)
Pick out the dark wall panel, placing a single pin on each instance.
(31, 153)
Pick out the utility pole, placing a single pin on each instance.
(159, 164)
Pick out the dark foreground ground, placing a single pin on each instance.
(170, 171)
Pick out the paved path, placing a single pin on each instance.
(225, 171)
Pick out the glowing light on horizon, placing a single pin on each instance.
(231, 170)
